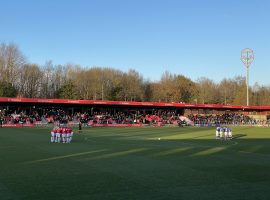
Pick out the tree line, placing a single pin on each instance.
(19, 78)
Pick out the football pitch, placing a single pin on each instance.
(133, 163)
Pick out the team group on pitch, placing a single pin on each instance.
(223, 132)
(65, 134)
(61, 134)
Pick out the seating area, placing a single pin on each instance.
(226, 118)
(59, 116)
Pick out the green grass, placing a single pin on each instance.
(131, 163)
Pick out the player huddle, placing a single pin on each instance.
(223, 133)
(61, 134)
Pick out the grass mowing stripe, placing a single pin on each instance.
(117, 154)
(187, 163)
(65, 156)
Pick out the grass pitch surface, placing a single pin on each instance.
(132, 163)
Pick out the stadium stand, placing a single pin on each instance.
(106, 113)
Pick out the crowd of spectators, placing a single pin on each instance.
(62, 117)
(226, 118)
(14, 117)
(58, 116)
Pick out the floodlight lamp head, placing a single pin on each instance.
(247, 56)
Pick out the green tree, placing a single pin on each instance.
(186, 89)
(67, 91)
(7, 89)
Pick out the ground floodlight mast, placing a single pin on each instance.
(247, 58)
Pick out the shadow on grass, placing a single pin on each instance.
(239, 136)
(123, 163)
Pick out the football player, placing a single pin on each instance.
(217, 132)
(230, 133)
(58, 135)
(64, 134)
(53, 135)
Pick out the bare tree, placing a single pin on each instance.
(30, 79)
(11, 61)
(207, 91)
